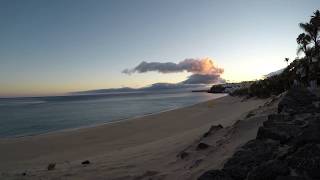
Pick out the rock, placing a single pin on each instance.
(202, 146)
(24, 174)
(183, 155)
(269, 170)
(51, 166)
(281, 128)
(274, 119)
(215, 175)
(251, 155)
(272, 133)
(212, 130)
(86, 162)
(310, 134)
(306, 160)
(287, 146)
(297, 100)
(283, 120)
(281, 132)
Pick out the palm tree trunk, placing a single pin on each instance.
(316, 48)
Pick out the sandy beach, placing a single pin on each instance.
(137, 148)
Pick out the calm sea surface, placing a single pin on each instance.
(37, 115)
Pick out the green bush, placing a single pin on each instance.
(217, 89)
(240, 92)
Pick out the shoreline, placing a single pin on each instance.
(138, 143)
(110, 122)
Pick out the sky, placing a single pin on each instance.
(54, 47)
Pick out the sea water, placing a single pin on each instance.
(37, 115)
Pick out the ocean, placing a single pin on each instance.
(38, 115)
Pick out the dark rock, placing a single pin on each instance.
(283, 120)
(310, 134)
(86, 162)
(280, 132)
(251, 155)
(51, 166)
(269, 170)
(287, 144)
(202, 146)
(275, 119)
(212, 130)
(215, 175)
(217, 89)
(306, 160)
(183, 155)
(297, 100)
(271, 133)
(281, 128)
(24, 174)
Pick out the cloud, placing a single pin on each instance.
(203, 70)
(200, 66)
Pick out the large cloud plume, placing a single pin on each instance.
(203, 70)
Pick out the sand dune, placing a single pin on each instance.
(138, 148)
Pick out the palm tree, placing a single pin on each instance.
(315, 19)
(303, 40)
(312, 29)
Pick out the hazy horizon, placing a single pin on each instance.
(56, 47)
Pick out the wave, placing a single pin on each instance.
(20, 102)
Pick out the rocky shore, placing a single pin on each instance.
(287, 145)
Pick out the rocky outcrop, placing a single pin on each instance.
(251, 155)
(287, 146)
(297, 101)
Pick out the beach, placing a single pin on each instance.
(135, 148)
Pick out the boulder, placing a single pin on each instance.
(86, 162)
(51, 166)
(281, 127)
(306, 160)
(272, 133)
(310, 134)
(297, 100)
(275, 119)
(202, 146)
(269, 170)
(250, 156)
(183, 155)
(280, 132)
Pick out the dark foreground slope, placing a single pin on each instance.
(287, 146)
